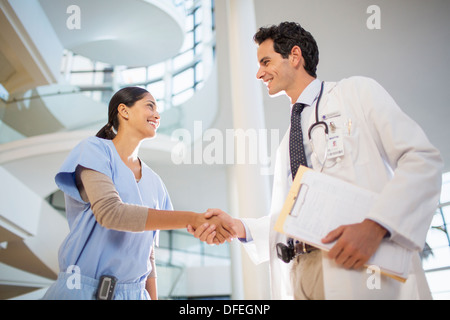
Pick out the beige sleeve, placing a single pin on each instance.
(109, 210)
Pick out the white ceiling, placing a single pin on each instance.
(131, 33)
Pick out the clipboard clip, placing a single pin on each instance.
(299, 200)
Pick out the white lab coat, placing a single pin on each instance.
(385, 152)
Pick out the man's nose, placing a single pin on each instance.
(260, 74)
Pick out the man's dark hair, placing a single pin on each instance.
(285, 36)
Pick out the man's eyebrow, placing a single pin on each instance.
(264, 58)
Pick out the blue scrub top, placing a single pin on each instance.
(97, 250)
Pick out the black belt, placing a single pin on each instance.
(293, 249)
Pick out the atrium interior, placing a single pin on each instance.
(62, 60)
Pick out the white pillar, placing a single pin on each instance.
(253, 191)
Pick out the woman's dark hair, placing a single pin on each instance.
(285, 36)
(128, 96)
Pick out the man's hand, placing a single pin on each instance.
(356, 243)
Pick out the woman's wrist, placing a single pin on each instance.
(194, 219)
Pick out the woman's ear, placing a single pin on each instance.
(122, 110)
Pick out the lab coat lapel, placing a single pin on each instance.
(280, 271)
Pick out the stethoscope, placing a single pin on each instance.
(316, 125)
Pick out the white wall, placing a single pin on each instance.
(408, 55)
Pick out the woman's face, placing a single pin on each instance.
(144, 116)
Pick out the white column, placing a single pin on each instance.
(252, 186)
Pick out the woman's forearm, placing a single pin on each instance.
(152, 288)
(112, 213)
(165, 219)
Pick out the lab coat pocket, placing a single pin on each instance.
(346, 152)
(356, 150)
(342, 147)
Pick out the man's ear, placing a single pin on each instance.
(296, 57)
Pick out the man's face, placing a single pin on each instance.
(276, 72)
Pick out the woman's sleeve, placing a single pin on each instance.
(91, 153)
(109, 210)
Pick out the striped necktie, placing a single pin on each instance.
(296, 149)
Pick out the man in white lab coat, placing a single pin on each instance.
(378, 148)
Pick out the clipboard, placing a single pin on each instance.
(318, 203)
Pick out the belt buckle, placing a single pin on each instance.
(304, 250)
(292, 250)
(301, 248)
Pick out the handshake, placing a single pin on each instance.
(216, 226)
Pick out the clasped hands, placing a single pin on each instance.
(217, 227)
(355, 243)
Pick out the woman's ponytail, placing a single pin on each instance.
(106, 132)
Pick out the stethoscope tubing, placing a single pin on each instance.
(316, 124)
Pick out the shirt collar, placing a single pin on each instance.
(310, 93)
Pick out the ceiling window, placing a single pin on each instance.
(171, 82)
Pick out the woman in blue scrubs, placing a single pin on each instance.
(114, 205)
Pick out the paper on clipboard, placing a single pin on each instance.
(318, 203)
